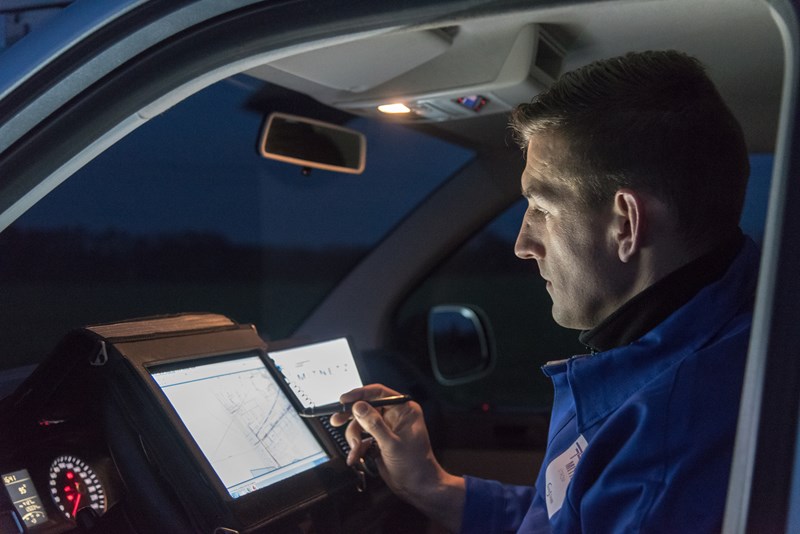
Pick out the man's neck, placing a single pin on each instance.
(651, 306)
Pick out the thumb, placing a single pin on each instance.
(373, 423)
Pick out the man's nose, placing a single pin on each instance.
(527, 246)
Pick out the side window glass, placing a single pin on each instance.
(485, 273)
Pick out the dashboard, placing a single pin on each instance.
(175, 424)
(53, 470)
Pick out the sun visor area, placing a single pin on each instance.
(447, 73)
(358, 66)
(456, 84)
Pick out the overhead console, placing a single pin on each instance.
(445, 73)
(202, 427)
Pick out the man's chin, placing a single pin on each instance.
(564, 318)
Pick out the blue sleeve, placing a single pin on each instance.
(494, 507)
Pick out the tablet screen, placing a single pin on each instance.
(241, 420)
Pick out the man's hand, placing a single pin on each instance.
(405, 459)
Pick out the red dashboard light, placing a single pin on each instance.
(48, 422)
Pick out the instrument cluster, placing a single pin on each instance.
(57, 472)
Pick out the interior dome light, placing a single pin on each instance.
(394, 108)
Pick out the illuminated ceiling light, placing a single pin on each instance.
(394, 108)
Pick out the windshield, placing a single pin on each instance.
(184, 215)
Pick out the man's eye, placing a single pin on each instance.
(539, 211)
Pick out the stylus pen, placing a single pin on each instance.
(341, 407)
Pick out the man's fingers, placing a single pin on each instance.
(372, 422)
(353, 432)
(372, 391)
(366, 419)
(338, 419)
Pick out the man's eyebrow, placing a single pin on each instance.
(539, 190)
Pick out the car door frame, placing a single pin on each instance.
(764, 493)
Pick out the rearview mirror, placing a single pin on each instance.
(460, 344)
(313, 144)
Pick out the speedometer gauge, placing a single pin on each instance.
(74, 485)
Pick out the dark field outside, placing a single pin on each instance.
(51, 282)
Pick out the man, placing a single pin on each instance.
(635, 179)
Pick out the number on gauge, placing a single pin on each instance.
(74, 485)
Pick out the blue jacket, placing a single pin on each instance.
(641, 436)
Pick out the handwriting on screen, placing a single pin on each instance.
(318, 374)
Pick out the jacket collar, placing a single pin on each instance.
(650, 307)
(601, 382)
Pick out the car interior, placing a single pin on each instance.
(197, 199)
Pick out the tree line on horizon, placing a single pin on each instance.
(79, 255)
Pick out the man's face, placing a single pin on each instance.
(572, 244)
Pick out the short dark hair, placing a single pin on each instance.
(652, 121)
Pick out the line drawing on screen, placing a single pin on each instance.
(242, 422)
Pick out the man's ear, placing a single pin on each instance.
(629, 223)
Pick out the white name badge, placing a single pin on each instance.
(558, 474)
